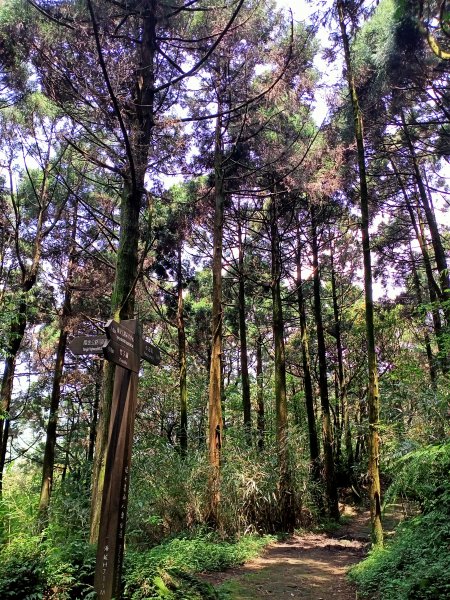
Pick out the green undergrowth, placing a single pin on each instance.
(168, 570)
(415, 564)
(33, 569)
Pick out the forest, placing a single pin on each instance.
(265, 190)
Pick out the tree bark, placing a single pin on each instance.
(246, 403)
(433, 289)
(439, 252)
(342, 399)
(140, 123)
(215, 375)
(261, 420)
(18, 325)
(327, 433)
(429, 352)
(287, 505)
(373, 397)
(52, 423)
(183, 434)
(314, 451)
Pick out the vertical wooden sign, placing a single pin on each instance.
(110, 550)
(125, 347)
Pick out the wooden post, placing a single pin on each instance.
(110, 549)
(124, 346)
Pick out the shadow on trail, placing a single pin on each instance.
(310, 566)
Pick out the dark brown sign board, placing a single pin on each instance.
(123, 357)
(121, 335)
(149, 352)
(91, 344)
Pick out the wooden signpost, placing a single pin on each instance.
(123, 346)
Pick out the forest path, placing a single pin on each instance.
(309, 566)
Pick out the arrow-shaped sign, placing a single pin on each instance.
(91, 344)
(150, 353)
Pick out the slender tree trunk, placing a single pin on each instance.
(50, 442)
(436, 240)
(19, 323)
(246, 403)
(215, 376)
(94, 418)
(373, 397)
(433, 288)
(417, 288)
(6, 394)
(327, 433)
(314, 451)
(342, 399)
(261, 421)
(183, 434)
(287, 504)
(122, 307)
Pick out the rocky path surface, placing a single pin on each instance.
(311, 566)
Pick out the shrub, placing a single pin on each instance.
(169, 492)
(33, 570)
(415, 564)
(167, 571)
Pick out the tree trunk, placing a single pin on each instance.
(439, 252)
(246, 403)
(215, 376)
(417, 288)
(327, 433)
(261, 421)
(314, 451)
(373, 397)
(94, 418)
(141, 123)
(122, 307)
(50, 442)
(287, 504)
(342, 399)
(433, 288)
(183, 434)
(19, 323)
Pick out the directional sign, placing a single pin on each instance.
(92, 344)
(117, 354)
(146, 349)
(149, 352)
(120, 335)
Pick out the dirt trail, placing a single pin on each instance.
(311, 566)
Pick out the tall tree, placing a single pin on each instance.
(373, 397)
(327, 431)
(51, 432)
(35, 206)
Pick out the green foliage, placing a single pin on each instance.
(416, 563)
(166, 570)
(32, 569)
(57, 565)
(17, 506)
(413, 566)
(21, 570)
(168, 491)
(422, 476)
